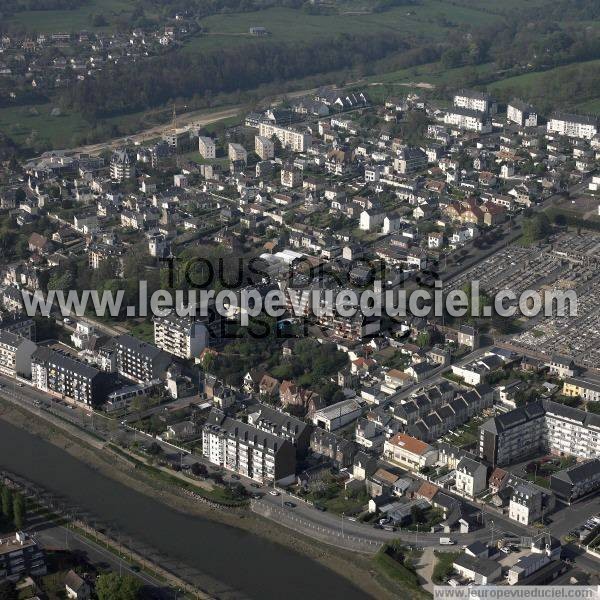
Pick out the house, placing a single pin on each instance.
(409, 452)
(76, 587)
(181, 431)
(525, 504)
(338, 450)
(471, 477)
(481, 571)
(363, 466)
(562, 366)
(381, 483)
(38, 243)
(371, 219)
(268, 386)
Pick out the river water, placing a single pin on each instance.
(245, 565)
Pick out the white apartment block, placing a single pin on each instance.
(575, 126)
(247, 450)
(522, 114)
(264, 147)
(471, 477)
(467, 119)
(289, 138)
(207, 147)
(525, 504)
(473, 100)
(180, 336)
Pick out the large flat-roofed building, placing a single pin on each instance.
(182, 336)
(337, 415)
(138, 360)
(237, 153)
(541, 426)
(20, 555)
(244, 449)
(575, 126)
(295, 140)
(64, 376)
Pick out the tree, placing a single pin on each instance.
(110, 586)
(8, 590)
(7, 503)
(198, 469)
(536, 228)
(19, 511)
(417, 515)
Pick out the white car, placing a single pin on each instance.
(274, 492)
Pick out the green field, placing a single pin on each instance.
(69, 21)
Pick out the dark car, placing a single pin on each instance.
(236, 477)
(290, 504)
(320, 507)
(255, 485)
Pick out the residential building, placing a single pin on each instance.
(574, 126)
(139, 360)
(471, 477)
(541, 426)
(476, 101)
(521, 113)
(63, 376)
(481, 571)
(246, 450)
(76, 587)
(15, 354)
(264, 147)
(582, 387)
(20, 556)
(577, 481)
(207, 147)
(409, 452)
(467, 119)
(339, 451)
(184, 337)
(293, 139)
(122, 167)
(237, 152)
(271, 420)
(525, 504)
(291, 177)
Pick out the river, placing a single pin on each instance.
(245, 565)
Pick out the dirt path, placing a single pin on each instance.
(425, 569)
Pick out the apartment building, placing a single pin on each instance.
(271, 420)
(138, 360)
(207, 147)
(264, 147)
(521, 113)
(244, 449)
(477, 101)
(121, 166)
(237, 153)
(409, 452)
(574, 126)
(542, 426)
(293, 139)
(582, 387)
(19, 324)
(62, 375)
(20, 556)
(181, 336)
(467, 119)
(15, 354)
(577, 481)
(291, 177)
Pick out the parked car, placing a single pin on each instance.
(289, 504)
(274, 492)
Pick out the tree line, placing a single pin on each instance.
(127, 88)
